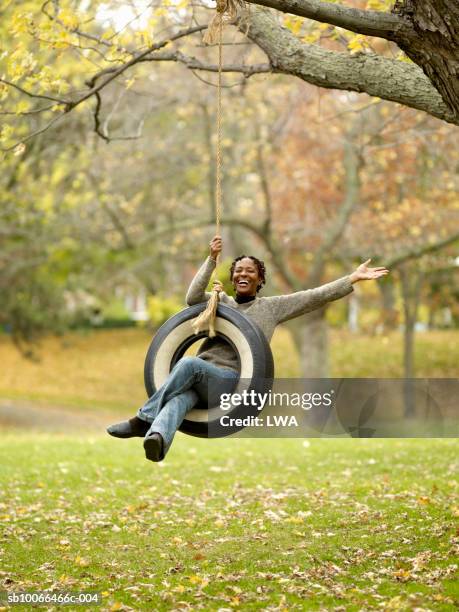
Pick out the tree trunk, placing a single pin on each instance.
(411, 281)
(313, 336)
(389, 315)
(408, 349)
(435, 48)
(353, 313)
(431, 321)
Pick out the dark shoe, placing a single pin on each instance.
(153, 446)
(134, 428)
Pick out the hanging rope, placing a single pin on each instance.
(226, 10)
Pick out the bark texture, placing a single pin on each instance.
(371, 23)
(363, 72)
(432, 42)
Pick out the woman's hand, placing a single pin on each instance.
(363, 272)
(215, 247)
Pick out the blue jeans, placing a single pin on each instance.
(189, 381)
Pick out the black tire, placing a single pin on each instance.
(256, 365)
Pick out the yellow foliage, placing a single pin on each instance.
(45, 80)
(5, 133)
(19, 23)
(46, 204)
(357, 44)
(161, 308)
(20, 62)
(379, 5)
(316, 31)
(160, 12)
(108, 34)
(62, 40)
(22, 106)
(45, 28)
(69, 19)
(117, 55)
(293, 23)
(404, 58)
(311, 38)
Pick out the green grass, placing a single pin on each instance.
(104, 369)
(233, 523)
(436, 354)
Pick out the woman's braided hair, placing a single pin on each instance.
(260, 265)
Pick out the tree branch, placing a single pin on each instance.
(94, 90)
(35, 111)
(97, 126)
(138, 57)
(418, 251)
(195, 64)
(370, 23)
(363, 72)
(31, 94)
(33, 134)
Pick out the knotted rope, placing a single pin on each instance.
(206, 319)
(227, 11)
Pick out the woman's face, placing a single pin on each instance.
(245, 277)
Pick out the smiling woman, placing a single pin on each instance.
(217, 364)
(248, 275)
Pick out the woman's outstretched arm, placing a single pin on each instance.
(197, 290)
(295, 304)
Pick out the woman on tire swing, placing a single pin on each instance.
(160, 417)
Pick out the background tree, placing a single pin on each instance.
(92, 57)
(317, 180)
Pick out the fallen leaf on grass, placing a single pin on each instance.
(402, 575)
(423, 499)
(81, 561)
(200, 580)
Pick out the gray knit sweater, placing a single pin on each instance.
(267, 312)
